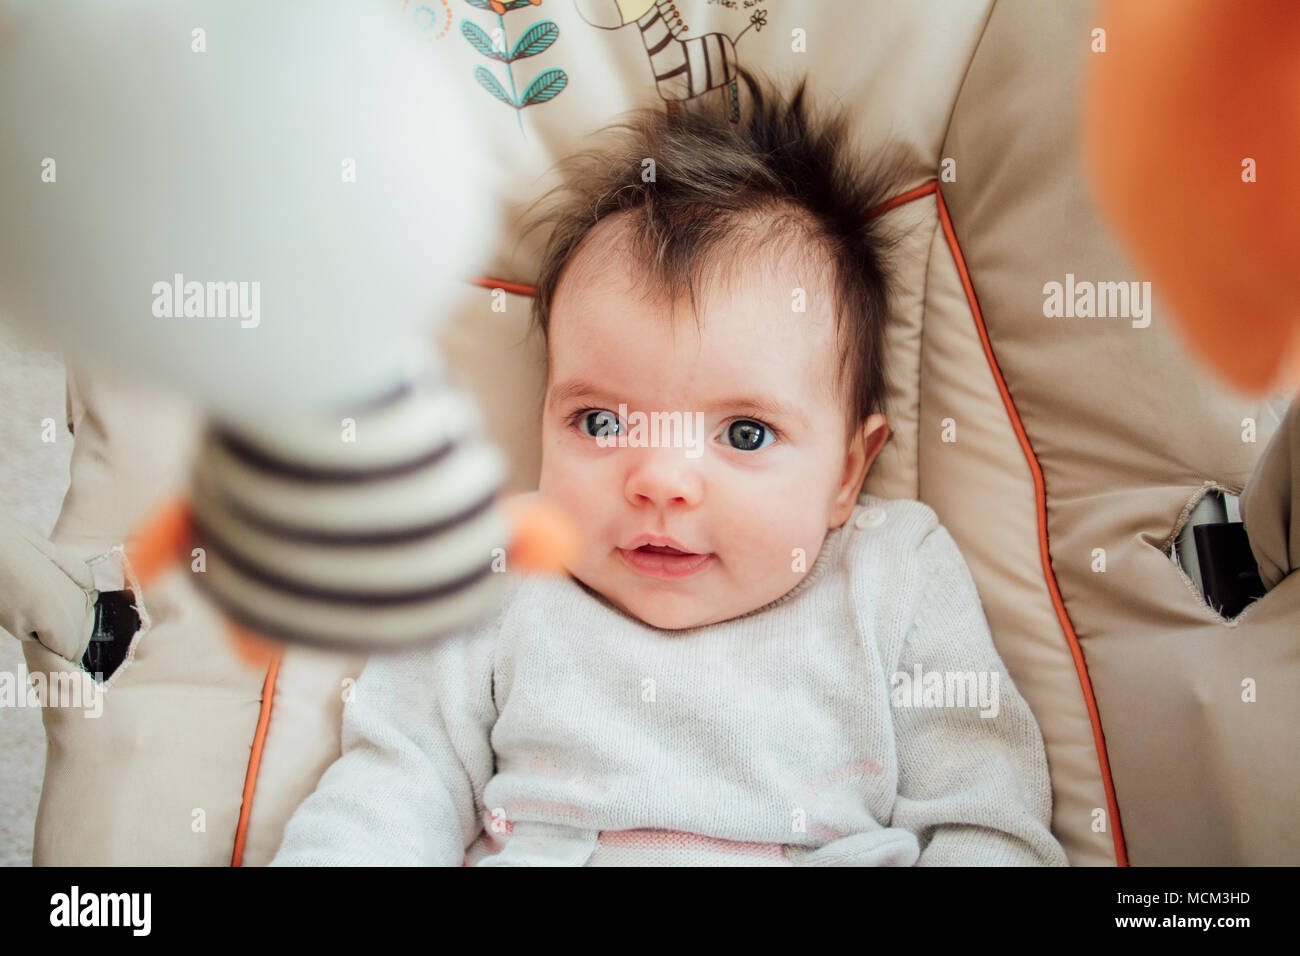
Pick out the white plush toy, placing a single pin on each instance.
(264, 205)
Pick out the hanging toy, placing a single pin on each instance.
(262, 206)
(1191, 127)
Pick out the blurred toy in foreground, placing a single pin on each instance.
(1191, 125)
(264, 206)
(369, 545)
(1192, 128)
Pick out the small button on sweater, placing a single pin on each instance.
(863, 718)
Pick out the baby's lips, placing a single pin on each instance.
(545, 540)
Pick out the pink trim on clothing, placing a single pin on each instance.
(680, 840)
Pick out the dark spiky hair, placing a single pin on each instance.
(724, 191)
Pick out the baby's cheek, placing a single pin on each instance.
(794, 548)
(758, 553)
(562, 479)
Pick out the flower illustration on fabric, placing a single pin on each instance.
(537, 38)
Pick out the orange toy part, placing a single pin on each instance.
(546, 538)
(1186, 93)
(160, 540)
(252, 649)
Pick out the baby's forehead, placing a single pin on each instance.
(791, 285)
(766, 308)
(747, 248)
(749, 342)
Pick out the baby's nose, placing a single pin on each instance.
(662, 477)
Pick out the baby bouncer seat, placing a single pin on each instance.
(1065, 449)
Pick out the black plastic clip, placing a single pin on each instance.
(116, 622)
(1229, 574)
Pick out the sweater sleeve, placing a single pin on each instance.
(407, 788)
(973, 788)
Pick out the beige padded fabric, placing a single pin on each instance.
(49, 592)
(302, 740)
(1269, 504)
(157, 777)
(1123, 431)
(976, 477)
(1128, 430)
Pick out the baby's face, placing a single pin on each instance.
(752, 496)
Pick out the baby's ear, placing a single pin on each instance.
(864, 445)
(874, 432)
(878, 438)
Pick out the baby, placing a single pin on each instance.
(750, 662)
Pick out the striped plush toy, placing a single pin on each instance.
(272, 252)
(381, 543)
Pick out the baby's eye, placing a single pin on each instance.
(597, 423)
(749, 435)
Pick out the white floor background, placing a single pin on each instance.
(33, 478)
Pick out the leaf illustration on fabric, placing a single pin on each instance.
(489, 82)
(479, 39)
(538, 38)
(545, 87)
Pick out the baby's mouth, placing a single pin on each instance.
(664, 562)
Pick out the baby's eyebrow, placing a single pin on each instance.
(761, 406)
(574, 388)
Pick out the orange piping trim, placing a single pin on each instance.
(521, 288)
(514, 288)
(1040, 496)
(903, 198)
(255, 758)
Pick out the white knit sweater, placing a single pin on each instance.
(564, 731)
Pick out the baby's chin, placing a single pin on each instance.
(674, 613)
(677, 618)
(657, 608)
